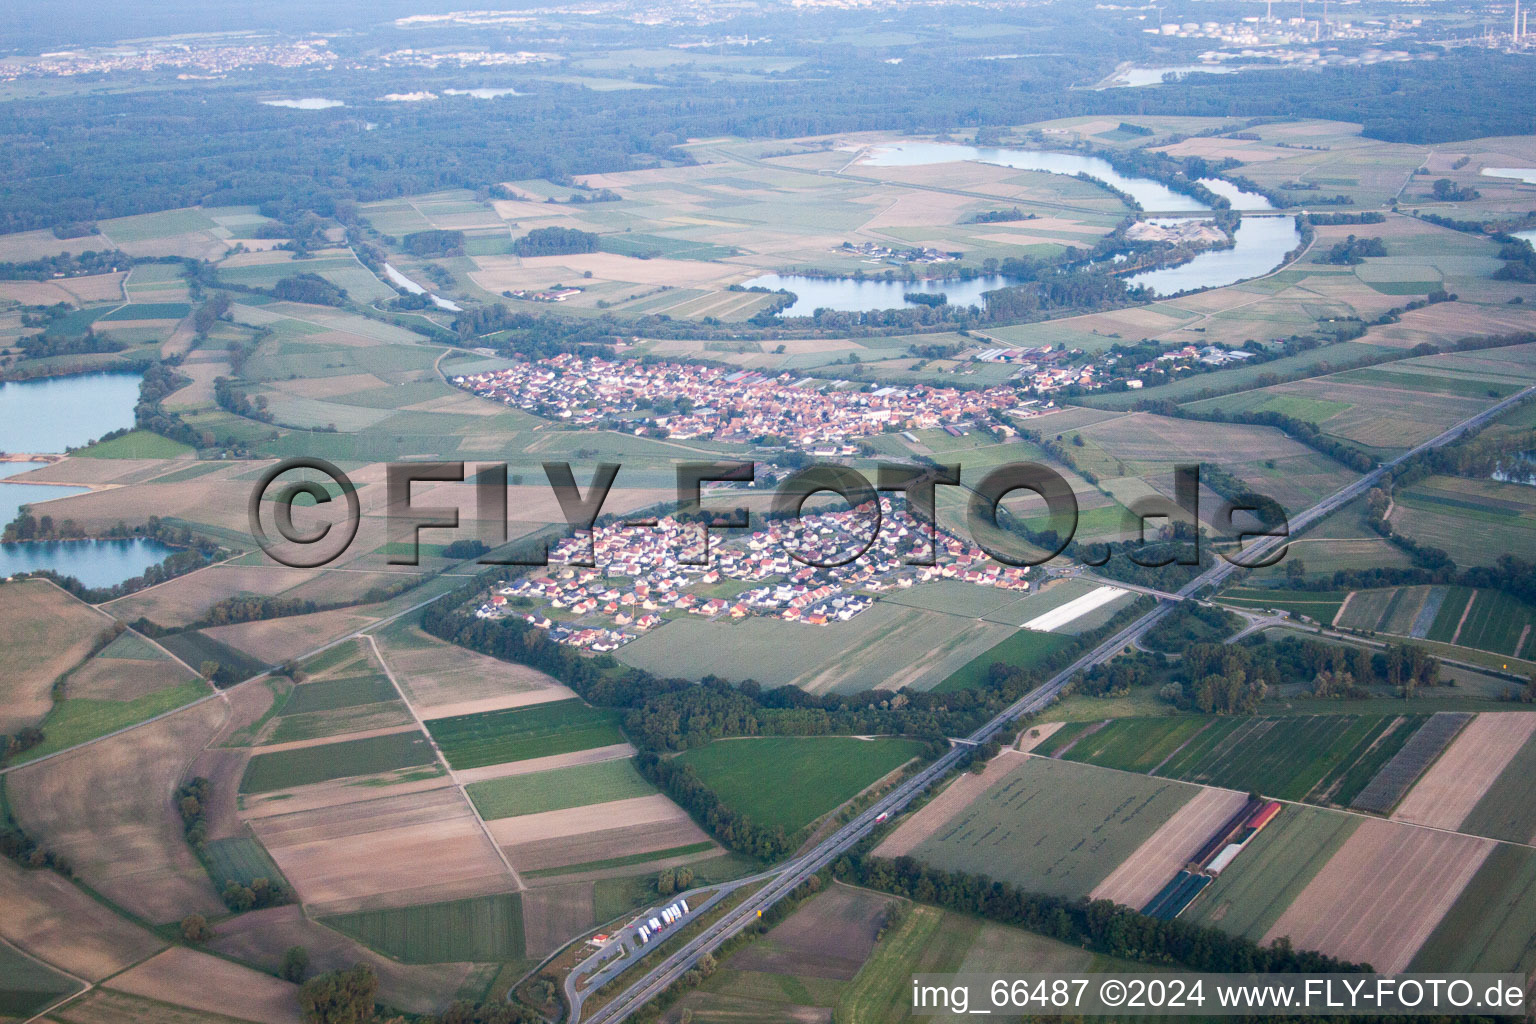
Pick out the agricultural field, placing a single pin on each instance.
(1281, 861)
(120, 787)
(478, 930)
(47, 632)
(829, 959)
(187, 977)
(517, 734)
(1412, 759)
(28, 986)
(238, 859)
(343, 759)
(1398, 881)
(1488, 620)
(1322, 758)
(1505, 810)
(373, 847)
(1319, 606)
(1057, 804)
(789, 782)
(354, 697)
(1024, 649)
(558, 789)
(1489, 926)
(1456, 783)
(1456, 514)
(845, 657)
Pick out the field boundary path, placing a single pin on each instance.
(457, 782)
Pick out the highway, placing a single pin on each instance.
(792, 873)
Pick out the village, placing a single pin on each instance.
(691, 400)
(687, 400)
(620, 581)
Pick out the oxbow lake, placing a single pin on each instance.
(49, 416)
(1261, 242)
(1152, 195)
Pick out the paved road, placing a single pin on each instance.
(789, 875)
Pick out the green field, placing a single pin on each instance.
(136, 444)
(1024, 648)
(26, 986)
(1250, 896)
(194, 648)
(240, 859)
(1499, 623)
(149, 311)
(1325, 758)
(517, 734)
(790, 781)
(1320, 605)
(339, 693)
(131, 646)
(285, 768)
(1490, 926)
(556, 790)
(621, 862)
(1054, 827)
(1506, 810)
(482, 929)
(77, 719)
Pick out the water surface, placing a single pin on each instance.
(850, 296)
(1152, 195)
(307, 103)
(1261, 243)
(54, 414)
(1136, 78)
(15, 495)
(96, 563)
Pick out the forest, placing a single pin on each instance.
(138, 151)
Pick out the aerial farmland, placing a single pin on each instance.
(666, 512)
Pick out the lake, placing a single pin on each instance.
(850, 296)
(15, 495)
(307, 103)
(96, 563)
(1261, 243)
(1136, 78)
(53, 414)
(1152, 195)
